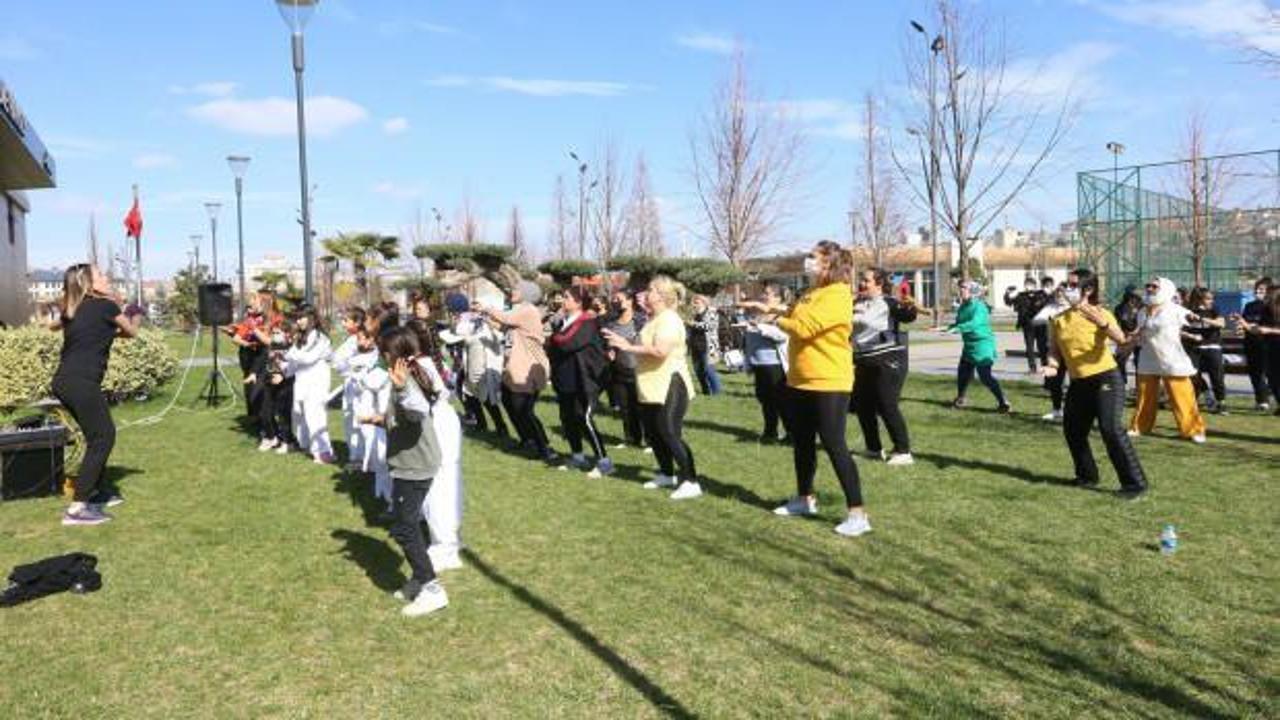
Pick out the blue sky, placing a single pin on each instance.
(420, 104)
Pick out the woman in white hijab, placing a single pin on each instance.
(1164, 361)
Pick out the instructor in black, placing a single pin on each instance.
(90, 322)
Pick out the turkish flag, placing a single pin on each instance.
(133, 221)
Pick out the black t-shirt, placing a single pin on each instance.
(87, 339)
(1208, 335)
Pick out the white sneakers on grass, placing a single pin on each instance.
(687, 491)
(431, 598)
(266, 445)
(1198, 439)
(900, 459)
(1054, 416)
(660, 482)
(798, 506)
(854, 525)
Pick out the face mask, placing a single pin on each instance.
(1072, 296)
(810, 266)
(1149, 299)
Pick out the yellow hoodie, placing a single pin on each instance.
(820, 326)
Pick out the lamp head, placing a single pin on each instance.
(212, 208)
(296, 13)
(239, 165)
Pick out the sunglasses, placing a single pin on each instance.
(1152, 286)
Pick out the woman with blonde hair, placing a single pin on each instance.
(820, 376)
(91, 320)
(664, 386)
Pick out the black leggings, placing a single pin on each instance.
(664, 425)
(964, 374)
(275, 416)
(771, 393)
(1209, 362)
(823, 415)
(407, 497)
(522, 406)
(877, 386)
(1255, 354)
(1100, 397)
(476, 410)
(88, 405)
(1054, 385)
(578, 420)
(622, 390)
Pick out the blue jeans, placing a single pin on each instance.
(708, 380)
(964, 374)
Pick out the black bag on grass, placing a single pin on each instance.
(74, 572)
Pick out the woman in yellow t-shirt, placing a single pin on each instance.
(1078, 340)
(819, 380)
(664, 386)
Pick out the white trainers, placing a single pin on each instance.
(648, 451)
(1055, 416)
(1133, 433)
(854, 525)
(660, 481)
(798, 506)
(431, 598)
(687, 490)
(282, 448)
(266, 444)
(900, 459)
(1198, 439)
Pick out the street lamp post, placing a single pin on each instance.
(582, 205)
(937, 45)
(212, 208)
(195, 246)
(239, 165)
(296, 13)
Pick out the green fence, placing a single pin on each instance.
(1140, 221)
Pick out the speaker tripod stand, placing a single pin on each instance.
(210, 393)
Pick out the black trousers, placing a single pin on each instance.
(1031, 341)
(771, 393)
(86, 402)
(1255, 355)
(1273, 370)
(622, 391)
(964, 375)
(275, 414)
(407, 497)
(252, 359)
(476, 410)
(877, 387)
(578, 420)
(664, 425)
(1209, 364)
(522, 409)
(1100, 398)
(822, 415)
(1054, 386)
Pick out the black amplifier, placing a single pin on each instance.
(32, 461)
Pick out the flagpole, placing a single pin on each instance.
(137, 239)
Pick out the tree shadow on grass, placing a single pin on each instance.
(944, 462)
(659, 698)
(380, 561)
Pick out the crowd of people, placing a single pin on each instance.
(645, 353)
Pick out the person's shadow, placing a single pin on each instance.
(380, 561)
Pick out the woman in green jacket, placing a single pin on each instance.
(973, 322)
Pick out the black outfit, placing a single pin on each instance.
(815, 415)
(407, 498)
(86, 346)
(1255, 353)
(1100, 398)
(275, 409)
(522, 407)
(664, 425)
(879, 372)
(771, 393)
(1206, 354)
(578, 362)
(1127, 317)
(1027, 304)
(1272, 351)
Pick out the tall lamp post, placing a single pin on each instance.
(937, 45)
(582, 205)
(239, 164)
(296, 13)
(195, 249)
(212, 208)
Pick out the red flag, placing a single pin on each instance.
(133, 221)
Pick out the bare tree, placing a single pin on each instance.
(1204, 184)
(993, 134)
(515, 238)
(1265, 54)
(558, 236)
(643, 227)
(747, 165)
(878, 220)
(605, 209)
(469, 227)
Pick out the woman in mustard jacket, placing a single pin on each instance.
(819, 378)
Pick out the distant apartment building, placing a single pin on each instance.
(25, 164)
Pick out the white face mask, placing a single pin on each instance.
(1149, 299)
(810, 266)
(1072, 296)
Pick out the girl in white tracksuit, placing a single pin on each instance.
(307, 362)
(370, 403)
(352, 320)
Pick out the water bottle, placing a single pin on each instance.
(1168, 540)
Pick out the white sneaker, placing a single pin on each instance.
(648, 451)
(797, 506)
(282, 448)
(1264, 407)
(688, 490)
(266, 445)
(1133, 433)
(1055, 416)
(431, 598)
(620, 446)
(660, 481)
(899, 459)
(854, 525)
(1198, 439)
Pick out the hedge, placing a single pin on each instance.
(29, 357)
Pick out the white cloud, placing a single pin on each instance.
(708, 42)
(1070, 72)
(1218, 20)
(221, 88)
(435, 28)
(537, 87)
(150, 161)
(276, 116)
(16, 49)
(395, 125)
(397, 191)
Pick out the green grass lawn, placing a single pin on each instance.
(180, 343)
(246, 585)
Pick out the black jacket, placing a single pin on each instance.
(74, 572)
(578, 358)
(1027, 304)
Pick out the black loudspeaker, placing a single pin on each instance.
(214, 301)
(32, 462)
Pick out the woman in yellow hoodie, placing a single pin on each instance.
(819, 379)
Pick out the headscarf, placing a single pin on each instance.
(975, 288)
(1166, 292)
(528, 292)
(457, 303)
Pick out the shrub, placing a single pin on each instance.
(564, 271)
(29, 357)
(467, 258)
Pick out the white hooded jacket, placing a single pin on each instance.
(1160, 335)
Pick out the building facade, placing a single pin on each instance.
(25, 164)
